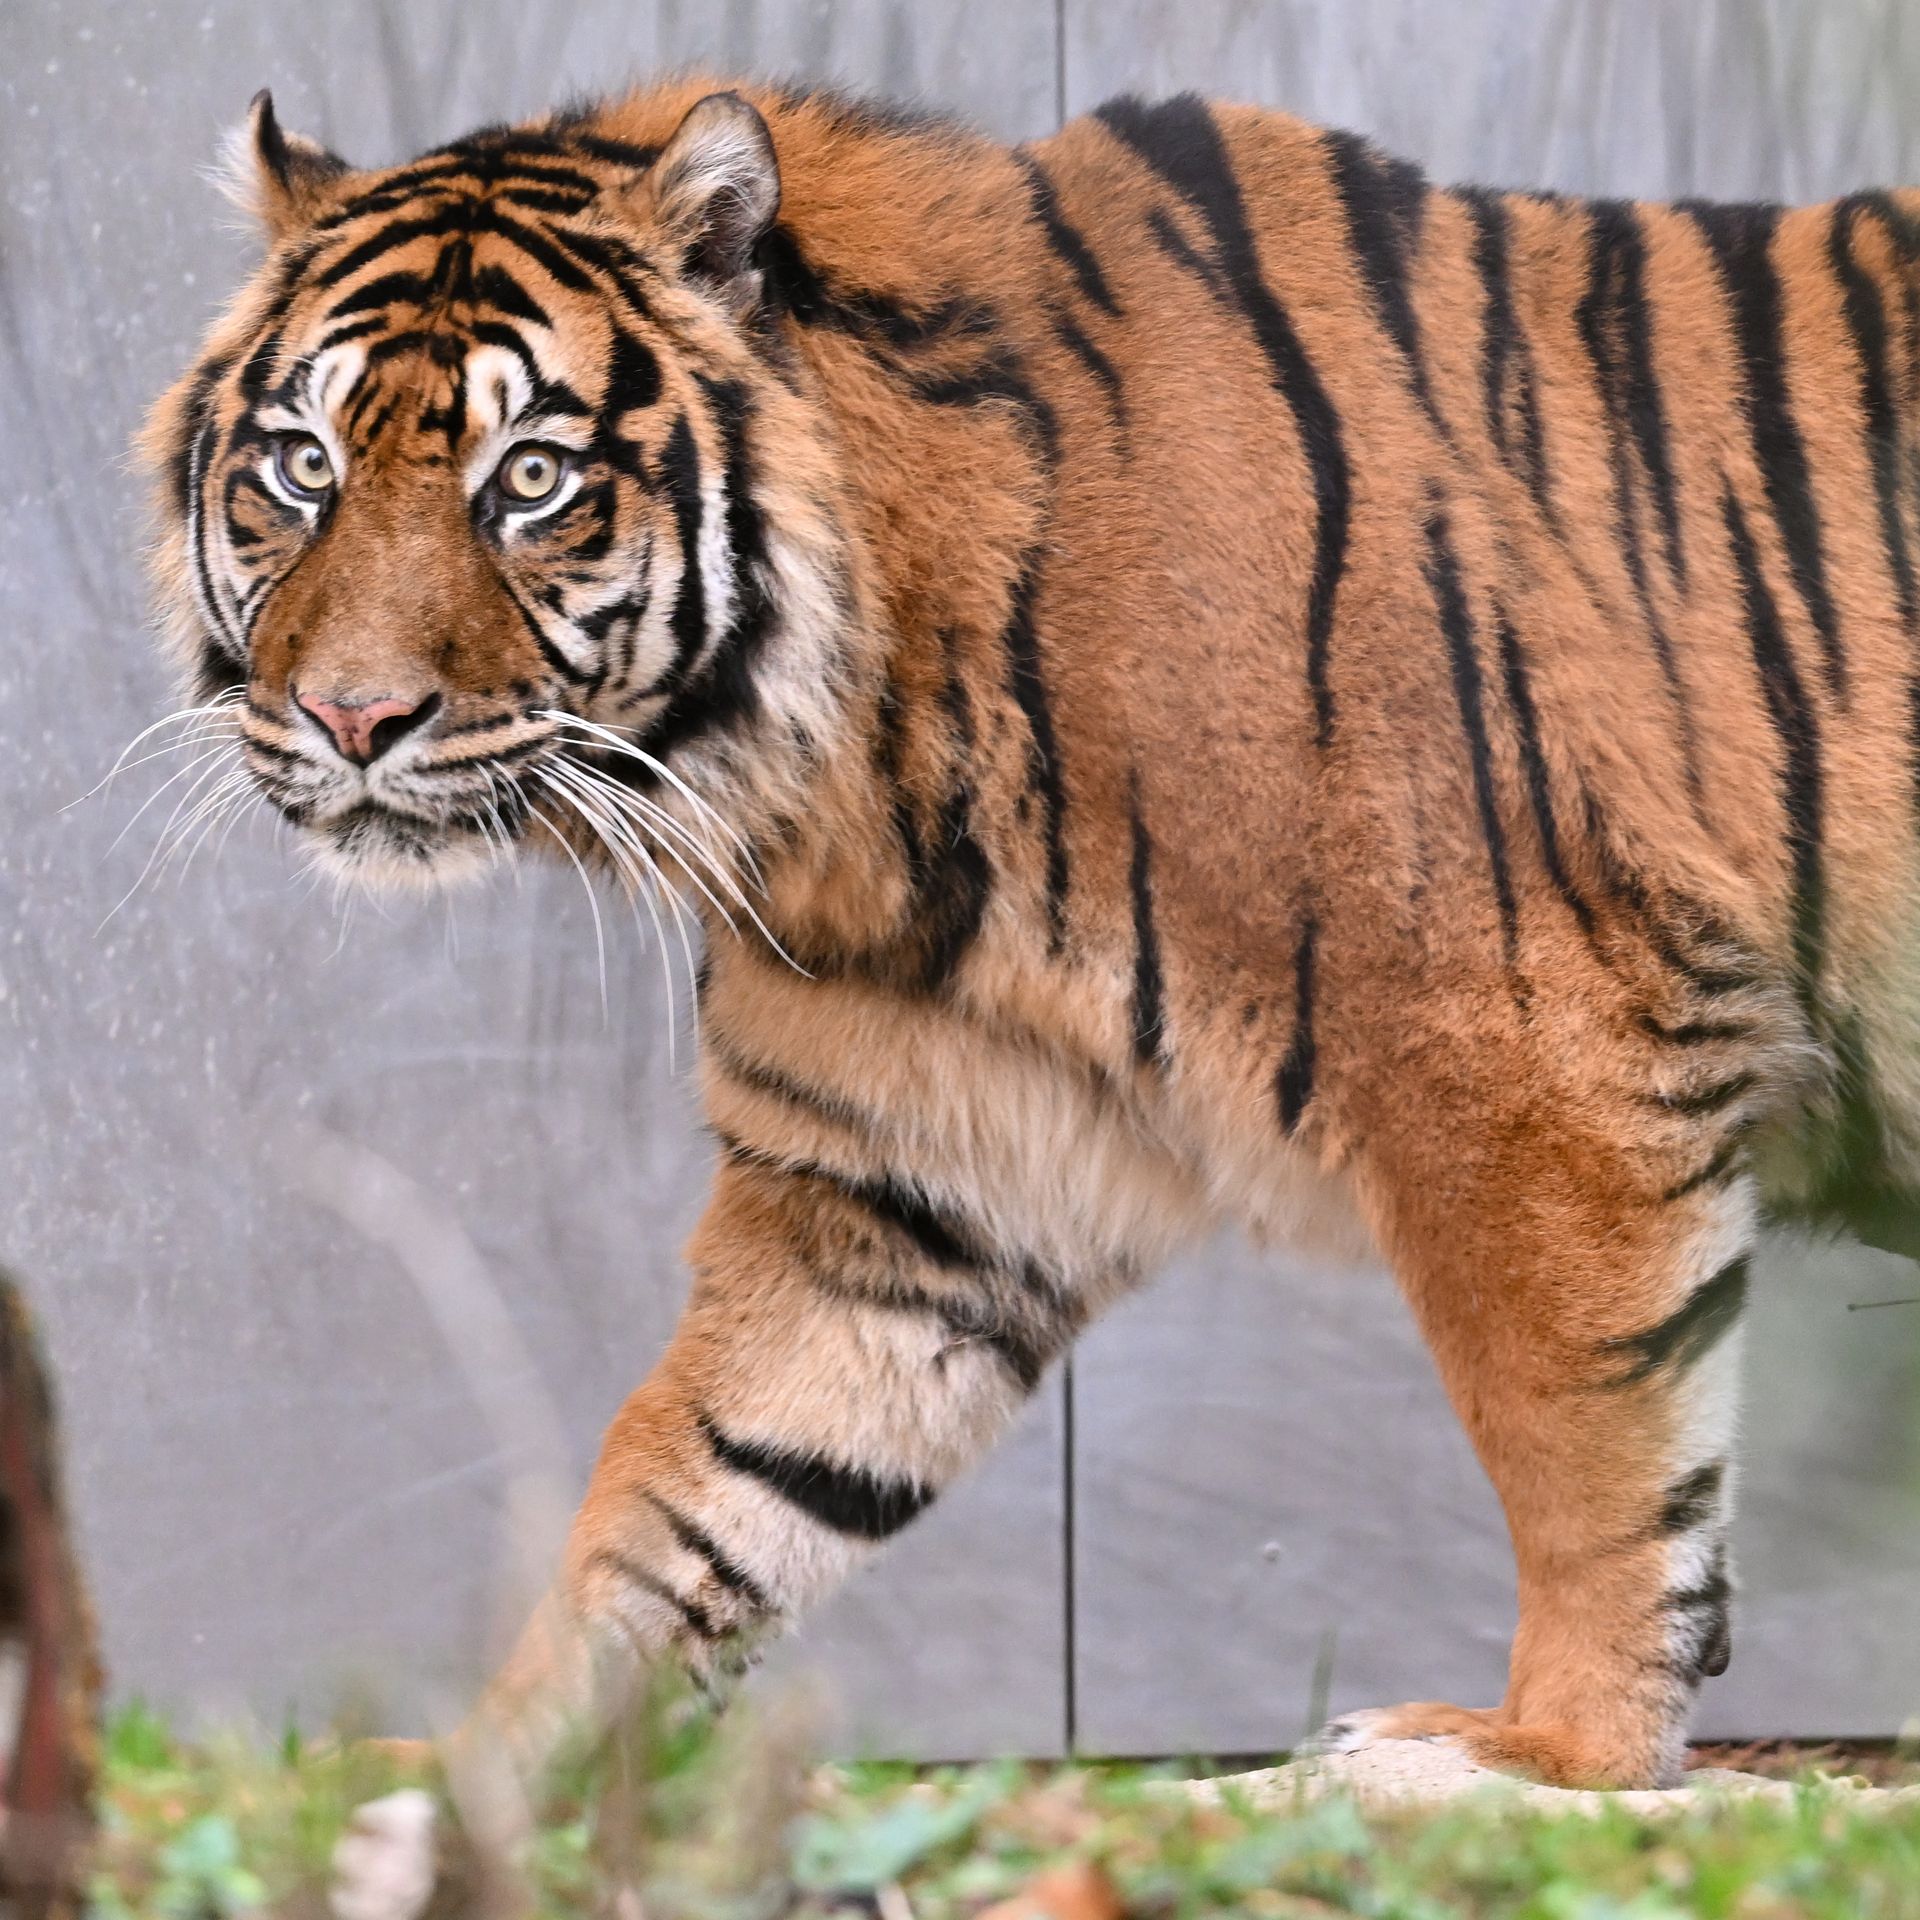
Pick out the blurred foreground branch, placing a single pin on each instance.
(50, 1680)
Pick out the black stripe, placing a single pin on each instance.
(550, 653)
(1385, 201)
(1692, 1033)
(894, 1203)
(211, 608)
(776, 1083)
(448, 218)
(382, 291)
(1617, 303)
(1456, 625)
(215, 671)
(728, 692)
(953, 875)
(1027, 684)
(1686, 1336)
(1740, 239)
(1616, 326)
(952, 881)
(1000, 376)
(600, 146)
(1149, 991)
(633, 378)
(1505, 345)
(1533, 763)
(1709, 1099)
(727, 1571)
(1693, 1501)
(796, 286)
(849, 1500)
(495, 287)
(1732, 965)
(1074, 338)
(1867, 322)
(1710, 1603)
(353, 330)
(971, 1323)
(194, 416)
(566, 200)
(531, 241)
(1180, 142)
(1714, 1173)
(1067, 241)
(693, 1616)
(1293, 1083)
(1173, 243)
(1802, 781)
(680, 476)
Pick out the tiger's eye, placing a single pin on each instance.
(304, 464)
(529, 473)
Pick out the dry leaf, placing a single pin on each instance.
(1065, 1893)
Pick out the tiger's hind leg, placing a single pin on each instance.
(1585, 1319)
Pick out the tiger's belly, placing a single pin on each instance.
(1050, 1158)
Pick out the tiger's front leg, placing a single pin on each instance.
(846, 1351)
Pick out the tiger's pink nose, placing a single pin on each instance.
(364, 729)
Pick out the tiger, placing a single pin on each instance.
(1182, 675)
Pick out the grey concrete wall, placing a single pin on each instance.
(293, 1447)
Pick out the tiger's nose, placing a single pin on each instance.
(364, 729)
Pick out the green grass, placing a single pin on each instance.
(734, 1824)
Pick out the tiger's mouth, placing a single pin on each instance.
(443, 805)
(372, 841)
(472, 796)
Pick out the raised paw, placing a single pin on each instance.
(385, 1864)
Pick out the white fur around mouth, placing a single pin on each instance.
(400, 857)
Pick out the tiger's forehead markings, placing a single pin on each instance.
(416, 320)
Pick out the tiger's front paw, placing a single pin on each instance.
(386, 1863)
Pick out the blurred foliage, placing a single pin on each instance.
(681, 1820)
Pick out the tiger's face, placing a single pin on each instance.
(471, 521)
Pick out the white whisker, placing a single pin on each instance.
(166, 832)
(349, 900)
(213, 709)
(610, 794)
(602, 820)
(207, 815)
(195, 736)
(599, 932)
(200, 760)
(610, 738)
(253, 806)
(660, 820)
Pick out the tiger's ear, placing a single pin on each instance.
(716, 190)
(283, 179)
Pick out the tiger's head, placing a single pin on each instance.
(490, 510)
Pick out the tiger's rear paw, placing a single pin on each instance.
(1368, 1726)
(1556, 1756)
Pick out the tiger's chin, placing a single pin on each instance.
(374, 849)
